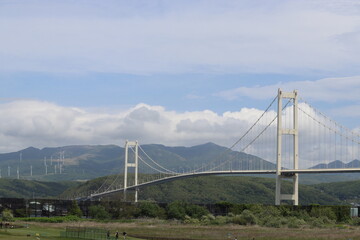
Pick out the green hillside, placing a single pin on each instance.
(210, 189)
(13, 188)
(89, 162)
(92, 161)
(205, 189)
(345, 191)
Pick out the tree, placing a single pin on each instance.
(149, 209)
(196, 211)
(7, 215)
(176, 210)
(98, 212)
(75, 209)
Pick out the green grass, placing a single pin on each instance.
(152, 228)
(31, 232)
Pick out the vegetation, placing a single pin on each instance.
(70, 218)
(7, 215)
(212, 189)
(75, 209)
(17, 188)
(99, 212)
(198, 223)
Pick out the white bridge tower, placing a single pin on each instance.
(132, 164)
(293, 130)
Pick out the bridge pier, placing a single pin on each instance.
(294, 196)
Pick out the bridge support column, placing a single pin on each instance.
(294, 196)
(133, 164)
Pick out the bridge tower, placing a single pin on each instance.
(293, 130)
(132, 164)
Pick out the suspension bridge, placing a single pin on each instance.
(289, 138)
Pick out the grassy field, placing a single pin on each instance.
(31, 232)
(39, 231)
(151, 229)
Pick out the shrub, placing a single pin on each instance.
(342, 213)
(294, 222)
(52, 219)
(176, 210)
(191, 220)
(152, 210)
(75, 209)
(98, 212)
(245, 218)
(212, 220)
(237, 220)
(318, 211)
(21, 212)
(256, 208)
(123, 211)
(270, 211)
(220, 220)
(196, 211)
(225, 207)
(207, 219)
(275, 222)
(7, 215)
(355, 221)
(316, 222)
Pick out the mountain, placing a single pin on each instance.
(88, 162)
(14, 188)
(83, 162)
(74, 162)
(338, 164)
(345, 191)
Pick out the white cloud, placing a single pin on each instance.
(44, 124)
(41, 124)
(192, 36)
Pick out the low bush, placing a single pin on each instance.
(294, 222)
(275, 222)
(70, 218)
(178, 210)
(191, 220)
(150, 209)
(7, 215)
(245, 218)
(98, 212)
(319, 211)
(355, 222)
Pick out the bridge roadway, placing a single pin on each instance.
(194, 174)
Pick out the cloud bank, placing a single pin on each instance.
(187, 36)
(43, 124)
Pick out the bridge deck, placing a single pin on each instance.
(193, 174)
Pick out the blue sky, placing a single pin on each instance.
(97, 62)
